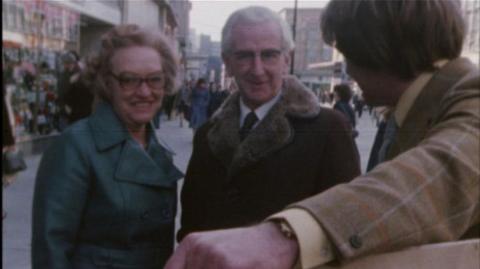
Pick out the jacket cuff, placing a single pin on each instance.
(314, 247)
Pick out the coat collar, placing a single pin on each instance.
(271, 134)
(152, 167)
(426, 106)
(107, 128)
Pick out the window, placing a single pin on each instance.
(11, 16)
(4, 13)
(20, 19)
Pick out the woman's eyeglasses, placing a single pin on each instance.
(132, 82)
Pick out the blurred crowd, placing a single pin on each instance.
(42, 99)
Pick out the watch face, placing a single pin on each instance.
(285, 229)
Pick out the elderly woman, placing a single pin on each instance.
(105, 193)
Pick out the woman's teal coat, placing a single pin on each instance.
(101, 201)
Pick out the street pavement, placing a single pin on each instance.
(17, 197)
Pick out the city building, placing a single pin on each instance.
(317, 65)
(471, 48)
(193, 44)
(34, 36)
(37, 32)
(181, 10)
(309, 46)
(203, 58)
(196, 66)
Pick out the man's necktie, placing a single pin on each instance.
(383, 140)
(377, 144)
(248, 123)
(390, 132)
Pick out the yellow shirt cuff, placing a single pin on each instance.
(315, 249)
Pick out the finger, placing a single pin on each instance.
(177, 260)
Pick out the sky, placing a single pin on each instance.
(209, 16)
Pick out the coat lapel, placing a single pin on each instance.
(426, 106)
(134, 164)
(106, 127)
(272, 133)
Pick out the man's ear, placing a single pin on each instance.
(288, 56)
(226, 61)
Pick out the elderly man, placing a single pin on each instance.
(270, 144)
(425, 188)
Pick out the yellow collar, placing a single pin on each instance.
(407, 99)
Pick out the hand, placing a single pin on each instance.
(261, 246)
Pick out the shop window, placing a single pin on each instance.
(4, 15)
(20, 19)
(11, 16)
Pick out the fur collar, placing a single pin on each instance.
(271, 134)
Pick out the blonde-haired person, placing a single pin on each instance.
(105, 193)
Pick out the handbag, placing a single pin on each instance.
(13, 162)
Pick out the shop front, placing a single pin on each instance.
(34, 36)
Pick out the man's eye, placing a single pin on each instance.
(270, 54)
(155, 79)
(243, 55)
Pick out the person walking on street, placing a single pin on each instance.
(184, 104)
(359, 104)
(199, 101)
(424, 188)
(79, 98)
(12, 159)
(343, 93)
(217, 97)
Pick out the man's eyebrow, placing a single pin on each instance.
(261, 51)
(243, 51)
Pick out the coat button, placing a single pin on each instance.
(355, 241)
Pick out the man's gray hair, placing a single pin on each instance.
(256, 14)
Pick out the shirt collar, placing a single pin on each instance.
(407, 99)
(260, 112)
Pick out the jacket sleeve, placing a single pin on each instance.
(427, 194)
(192, 202)
(61, 190)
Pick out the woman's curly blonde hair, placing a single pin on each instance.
(124, 36)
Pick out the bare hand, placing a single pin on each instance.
(261, 247)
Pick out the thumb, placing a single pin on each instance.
(178, 259)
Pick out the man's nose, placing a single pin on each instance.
(258, 67)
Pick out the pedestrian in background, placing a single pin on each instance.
(199, 101)
(79, 98)
(217, 96)
(105, 193)
(184, 102)
(12, 159)
(169, 105)
(343, 94)
(425, 188)
(70, 69)
(271, 143)
(358, 104)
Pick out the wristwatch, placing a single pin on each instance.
(284, 228)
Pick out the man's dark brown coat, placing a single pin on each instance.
(299, 149)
